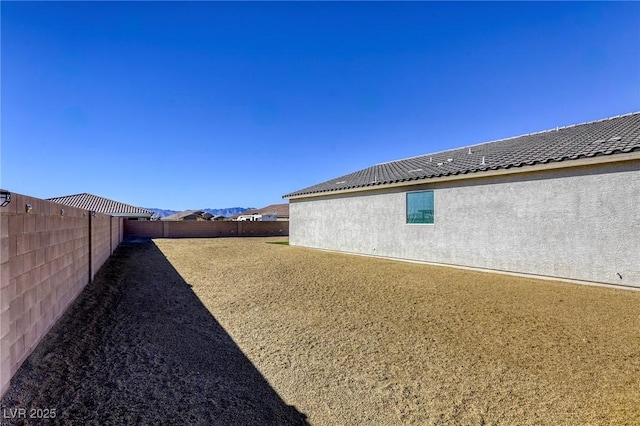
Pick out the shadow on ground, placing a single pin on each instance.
(138, 347)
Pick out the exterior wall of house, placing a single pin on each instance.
(47, 258)
(577, 223)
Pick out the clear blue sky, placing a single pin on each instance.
(208, 104)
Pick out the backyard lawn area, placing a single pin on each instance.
(245, 331)
(355, 340)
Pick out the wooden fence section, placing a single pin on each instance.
(202, 229)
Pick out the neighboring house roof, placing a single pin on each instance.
(280, 210)
(615, 135)
(101, 205)
(182, 215)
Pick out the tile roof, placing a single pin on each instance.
(610, 136)
(182, 215)
(101, 205)
(280, 210)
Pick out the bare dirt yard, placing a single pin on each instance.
(248, 331)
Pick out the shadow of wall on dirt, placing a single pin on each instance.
(138, 347)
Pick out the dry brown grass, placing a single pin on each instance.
(237, 331)
(354, 340)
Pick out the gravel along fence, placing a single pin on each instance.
(252, 331)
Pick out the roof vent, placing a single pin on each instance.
(614, 139)
(600, 141)
(440, 164)
(469, 151)
(414, 170)
(342, 181)
(449, 159)
(483, 160)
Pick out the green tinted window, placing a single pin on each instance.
(420, 207)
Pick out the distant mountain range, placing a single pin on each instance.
(230, 211)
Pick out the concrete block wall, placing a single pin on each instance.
(116, 232)
(189, 229)
(262, 229)
(143, 229)
(46, 258)
(211, 229)
(100, 241)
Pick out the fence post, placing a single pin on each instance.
(90, 248)
(110, 235)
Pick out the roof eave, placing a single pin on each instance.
(603, 159)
